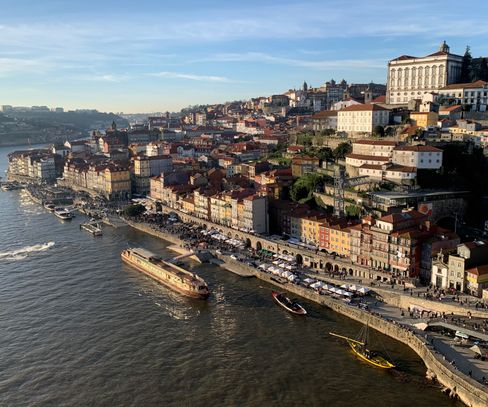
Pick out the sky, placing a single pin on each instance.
(156, 55)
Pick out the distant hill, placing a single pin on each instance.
(18, 128)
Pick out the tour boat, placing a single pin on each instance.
(288, 304)
(63, 213)
(359, 348)
(166, 273)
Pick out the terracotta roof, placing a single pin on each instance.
(367, 157)
(401, 168)
(470, 85)
(404, 57)
(401, 216)
(324, 114)
(450, 108)
(419, 148)
(376, 142)
(371, 167)
(379, 99)
(360, 108)
(479, 271)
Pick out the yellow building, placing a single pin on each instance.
(117, 182)
(306, 228)
(188, 204)
(424, 119)
(340, 240)
(477, 280)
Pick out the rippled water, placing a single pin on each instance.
(80, 328)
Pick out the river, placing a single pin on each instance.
(80, 328)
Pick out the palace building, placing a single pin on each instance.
(411, 77)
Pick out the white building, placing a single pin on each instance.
(474, 94)
(255, 216)
(362, 118)
(383, 148)
(410, 77)
(422, 157)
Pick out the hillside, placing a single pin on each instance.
(18, 128)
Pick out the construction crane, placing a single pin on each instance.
(341, 182)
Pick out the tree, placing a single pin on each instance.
(466, 67)
(325, 154)
(341, 150)
(133, 211)
(303, 188)
(379, 131)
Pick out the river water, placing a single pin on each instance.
(80, 328)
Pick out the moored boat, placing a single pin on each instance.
(50, 206)
(166, 273)
(359, 347)
(63, 213)
(289, 305)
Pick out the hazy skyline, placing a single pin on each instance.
(155, 56)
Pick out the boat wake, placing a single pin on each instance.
(22, 253)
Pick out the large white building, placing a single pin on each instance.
(423, 157)
(362, 118)
(410, 77)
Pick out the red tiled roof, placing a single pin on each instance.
(324, 114)
(404, 57)
(367, 157)
(379, 99)
(450, 108)
(371, 167)
(376, 142)
(361, 107)
(479, 271)
(401, 168)
(419, 148)
(469, 85)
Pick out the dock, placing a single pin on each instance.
(92, 227)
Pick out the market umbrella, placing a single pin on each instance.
(364, 290)
(476, 349)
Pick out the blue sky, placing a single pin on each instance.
(149, 55)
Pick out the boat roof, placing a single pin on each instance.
(144, 252)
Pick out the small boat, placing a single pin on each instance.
(50, 206)
(63, 213)
(288, 304)
(279, 280)
(359, 348)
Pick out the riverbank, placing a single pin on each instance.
(468, 390)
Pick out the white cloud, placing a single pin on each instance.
(103, 77)
(343, 64)
(193, 77)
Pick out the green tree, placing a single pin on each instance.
(341, 150)
(303, 188)
(132, 211)
(466, 67)
(325, 154)
(379, 131)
